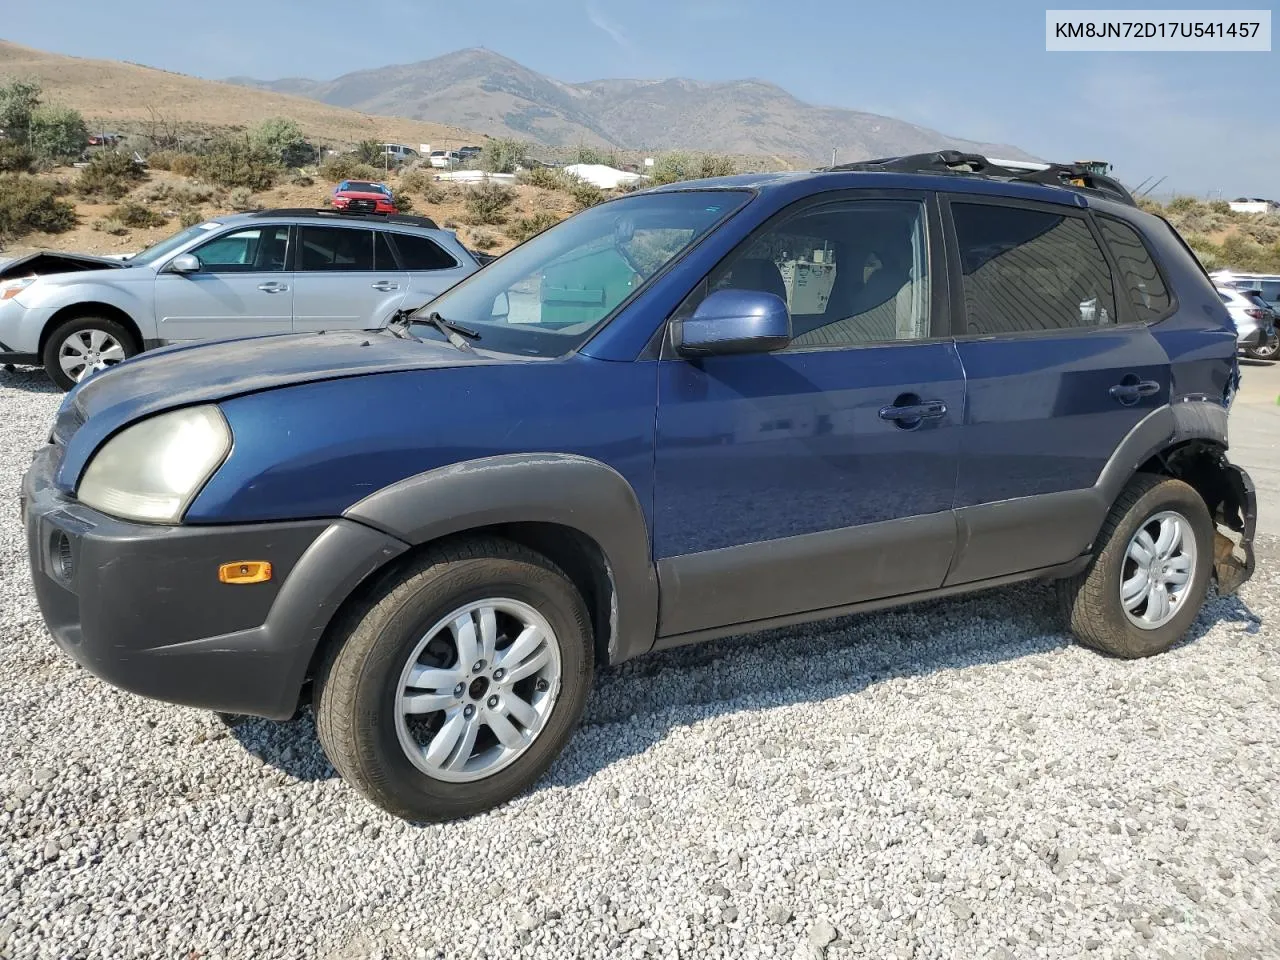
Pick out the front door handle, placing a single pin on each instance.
(386, 286)
(1134, 391)
(273, 287)
(910, 414)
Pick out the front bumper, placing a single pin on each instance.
(141, 606)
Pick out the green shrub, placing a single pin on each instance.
(134, 214)
(111, 226)
(240, 162)
(675, 167)
(523, 228)
(242, 200)
(403, 202)
(487, 203)
(57, 133)
(108, 176)
(424, 184)
(15, 157)
(19, 99)
(282, 138)
(300, 179)
(503, 155)
(190, 217)
(483, 241)
(1182, 205)
(178, 194)
(28, 204)
(185, 164)
(547, 178)
(347, 167)
(586, 194)
(371, 152)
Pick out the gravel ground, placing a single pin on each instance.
(954, 780)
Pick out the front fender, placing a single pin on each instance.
(133, 298)
(567, 490)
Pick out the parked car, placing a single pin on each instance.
(274, 271)
(444, 159)
(1255, 322)
(1266, 285)
(634, 432)
(401, 153)
(466, 153)
(363, 196)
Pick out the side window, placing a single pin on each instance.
(1027, 270)
(1138, 274)
(252, 250)
(851, 273)
(420, 253)
(334, 248)
(383, 257)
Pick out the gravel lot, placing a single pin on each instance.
(955, 780)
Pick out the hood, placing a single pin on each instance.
(186, 375)
(47, 262)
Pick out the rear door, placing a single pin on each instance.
(1060, 367)
(430, 267)
(347, 278)
(243, 288)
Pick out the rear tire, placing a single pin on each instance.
(78, 348)
(397, 755)
(1120, 604)
(1267, 350)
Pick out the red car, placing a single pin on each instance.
(363, 196)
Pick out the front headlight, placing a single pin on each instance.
(152, 470)
(11, 288)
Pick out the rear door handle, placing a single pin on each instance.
(928, 410)
(273, 287)
(1130, 392)
(386, 286)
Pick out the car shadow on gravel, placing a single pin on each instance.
(637, 704)
(27, 379)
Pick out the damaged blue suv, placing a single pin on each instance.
(701, 410)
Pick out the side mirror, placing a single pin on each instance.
(735, 321)
(184, 263)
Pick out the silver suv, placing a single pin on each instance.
(274, 271)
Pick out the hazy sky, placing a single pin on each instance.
(1208, 121)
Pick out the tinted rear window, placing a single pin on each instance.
(420, 253)
(1139, 277)
(1027, 270)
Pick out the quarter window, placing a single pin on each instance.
(419, 253)
(1028, 270)
(335, 248)
(252, 250)
(850, 273)
(1141, 280)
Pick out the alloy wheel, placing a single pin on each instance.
(1159, 568)
(88, 351)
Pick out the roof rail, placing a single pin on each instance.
(330, 212)
(1070, 175)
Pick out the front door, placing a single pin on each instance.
(347, 279)
(241, 289)
(822, 474)
(1060, 367)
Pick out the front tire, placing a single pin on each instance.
(81, 347)
(454, 687)
(1150, 572)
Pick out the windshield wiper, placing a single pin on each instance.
(454, 332)
(399, 327)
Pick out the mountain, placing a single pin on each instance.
(484, 91)
(130, 97)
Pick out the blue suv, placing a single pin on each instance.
(695, 411)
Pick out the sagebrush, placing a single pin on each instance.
(28, 204)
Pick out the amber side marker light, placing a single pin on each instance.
(245, 571)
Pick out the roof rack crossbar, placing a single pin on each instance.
(402, 218)
(1070, 175)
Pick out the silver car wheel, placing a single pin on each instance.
(88, 351)
(477, 690)
(1159, 568)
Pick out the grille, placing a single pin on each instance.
(362, 206)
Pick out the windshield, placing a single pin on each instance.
(548, 295)
(361, 186)
(165, 247)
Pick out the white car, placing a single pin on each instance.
(444, 159)
(1255, 323)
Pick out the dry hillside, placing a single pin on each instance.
(128, 98)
